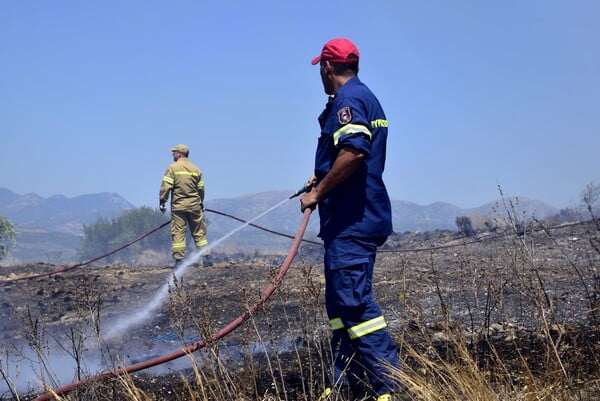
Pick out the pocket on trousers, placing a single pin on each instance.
(350, 286)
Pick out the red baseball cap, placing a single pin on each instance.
(339, 51)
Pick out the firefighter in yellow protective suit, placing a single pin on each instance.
(183, 180)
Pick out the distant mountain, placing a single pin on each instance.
(406, 216)
(7, 196)
(54, 225)
(284, 218)
(59, 213)
(521, 207)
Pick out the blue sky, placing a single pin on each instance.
(478, 95)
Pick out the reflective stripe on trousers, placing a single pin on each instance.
(361, 329)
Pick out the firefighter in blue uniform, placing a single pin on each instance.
(355, 218)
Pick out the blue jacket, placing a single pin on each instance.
(360, 206)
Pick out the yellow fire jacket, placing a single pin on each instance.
(184, 181)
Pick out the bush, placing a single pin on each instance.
(7, 233)
(465, 226)
(104, 236)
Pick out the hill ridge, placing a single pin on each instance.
(60, 216)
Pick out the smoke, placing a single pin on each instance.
(25, 370)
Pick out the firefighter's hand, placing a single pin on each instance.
(309, 201)
(162, 207)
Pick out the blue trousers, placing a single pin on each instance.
(360, 341)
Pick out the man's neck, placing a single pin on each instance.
(340, 80)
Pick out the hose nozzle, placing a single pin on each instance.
(302, 190)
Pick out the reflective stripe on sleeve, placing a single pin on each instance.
(336, 324)
(168, 180)
(350, 129)
(191, 173)
(200, 184)
(367, 327)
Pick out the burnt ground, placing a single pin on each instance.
(509, 297)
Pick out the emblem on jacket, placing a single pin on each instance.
(344, 115)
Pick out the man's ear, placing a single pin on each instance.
(328, 68)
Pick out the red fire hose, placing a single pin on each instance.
(49, 394)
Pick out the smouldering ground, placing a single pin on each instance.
(500, 289)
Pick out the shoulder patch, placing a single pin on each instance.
(344, 115)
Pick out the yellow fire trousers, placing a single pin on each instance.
(179, 220)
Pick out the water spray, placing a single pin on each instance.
(128, 321)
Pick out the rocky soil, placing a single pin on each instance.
(504, 293)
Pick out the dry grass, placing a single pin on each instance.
(445, 357)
